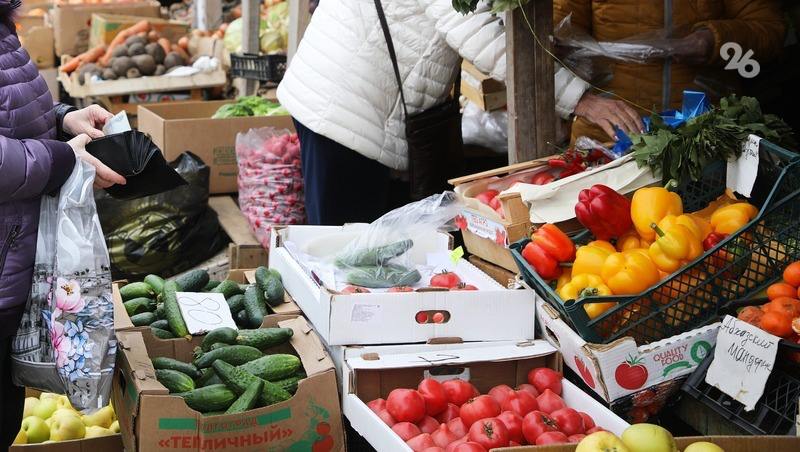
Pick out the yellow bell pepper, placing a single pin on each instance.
(650, 205)
(729, 219)
(566, 276)
(629, 272)
(631, 240)
(586, 285)
(589, 258)
(674, 247)
(696, 225)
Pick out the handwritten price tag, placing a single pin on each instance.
(204, 312)
(743, 360)
(741, 172)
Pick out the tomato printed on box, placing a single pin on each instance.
(482, 227)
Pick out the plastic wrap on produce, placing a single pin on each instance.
(270, 180)
(485, 128)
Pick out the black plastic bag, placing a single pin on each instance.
(162, 234)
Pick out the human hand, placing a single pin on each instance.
(608, 113)
(695, 49)
(89, 120)
(104, 177)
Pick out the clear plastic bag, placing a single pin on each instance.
(270, 180)
(65, 342)
(485, 128)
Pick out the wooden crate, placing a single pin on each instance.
(245, 251)
(485, 92)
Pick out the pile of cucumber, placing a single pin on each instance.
(231, 374)
(153, 301)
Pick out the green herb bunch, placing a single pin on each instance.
(468, 6)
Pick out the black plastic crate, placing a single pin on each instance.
(692, 297)
(774, 414)
(264, 68)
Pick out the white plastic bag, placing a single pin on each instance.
(65, 343)
(485, 128)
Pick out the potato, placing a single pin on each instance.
(136, 40)
(136, 49)
(109, 74)
(86, 71)
(173, 59)
(121, 50)
(121, 64)
(133, 73)
(156, 51)
(160, 70)
(145, 64)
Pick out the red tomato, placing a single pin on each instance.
(433, 393)
(513, 444)
(548, 401)
(420, 442)
(406, 430)
(464, 286)
(489, 433)
(486, 196)
(469, 446)
(354, 289)
(452, 446)
(528, 388)
(543, 378)
(458, 391)
(569, 421)
(433, 449)
(588, 422)
(377, 405)
(421, 317)
(576, 438)
(494, 203)
(451, 412)
(438, 318)
(513, 423)
(520, 402)
(386, 418)
(442, 436)
(445, 279)
(428, 424)
(501, 393)
(551, 438)
(406, 405)
(536, 423)
(478, 408)
(400, 289)
(631, 374)
(595, 429)
(457, 426)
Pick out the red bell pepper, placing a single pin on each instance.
(713, 239)
(604, 212)
(732, 252)
(548, 248)
(544, 264)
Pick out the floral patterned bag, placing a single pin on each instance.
(65, 342)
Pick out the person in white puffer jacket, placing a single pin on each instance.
(341, 91)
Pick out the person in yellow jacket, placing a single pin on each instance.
(696, 63)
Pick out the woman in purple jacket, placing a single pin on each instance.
(34, 161)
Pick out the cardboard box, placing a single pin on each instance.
(244, 251)
(71, 22)
(37, 37)
(497, 273)
(106, 26)
(494, 314)
(103, 444)
(150, 419)
(373, 372)
(485, 92)
(727, 443)
(188, 126)
(603, 365)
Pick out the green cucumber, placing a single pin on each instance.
(211, 285)
(136, 290)
(263, 338)
(373, 257)
(161, 324)
(160, 314)
(382, 277)
(139, 305)
(270, 283)
(272, 367)
(248, 399)
(143, 319)
(236, 303)
(192, 281)
(156, 282)
(227, 288)
(289, 384)
(172, 312)
(255, 307)
(174, 380)
(162, 362)
(238, 381)
(225, 335)
(209, 398)
(207, 378)
(218, 345)
(241, 318)
(161, 334)
(232, 354)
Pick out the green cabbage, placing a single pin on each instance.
(233, 111)
(250, 106)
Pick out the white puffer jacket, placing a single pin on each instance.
(341, 85)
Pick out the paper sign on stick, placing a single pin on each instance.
(741, 172)
(204, 312)
(743, 360)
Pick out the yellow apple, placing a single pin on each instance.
(601, 442)
(95, 431)
(44, 409)
(65, 412)
(22, 437)
(48, 422)
(35, 430)
(67, 427)
(102, 417)
(648, 438)
(62, 401)
(114, 427)
(30, 404)
(48, 395)
(703, 446)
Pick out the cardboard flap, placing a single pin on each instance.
(310, 349)
(134, 352)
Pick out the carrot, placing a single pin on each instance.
(165, 44)
(184, 43)
(90, 56)
(153, 36)
(138, 27)
(181, 52)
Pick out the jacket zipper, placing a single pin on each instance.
(12, 237)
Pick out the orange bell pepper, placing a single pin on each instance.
(631, 240)
(629, 272)
(729, 219)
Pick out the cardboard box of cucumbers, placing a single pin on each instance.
(267, 388)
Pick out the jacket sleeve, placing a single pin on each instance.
(61, 111)
(569, 89)
(30, 168)
(753, 24)
(581, 11)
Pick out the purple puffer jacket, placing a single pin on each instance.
(32, 161)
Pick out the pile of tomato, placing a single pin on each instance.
(452, 416)
(781, 315)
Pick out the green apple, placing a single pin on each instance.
(703, 446)
(601, 442)
(30, 404)
(114, 427)
(35, 430)
(102, 417)
(67, 427)
(95, 431)
(62, 412)
(648, 438)
(44, 409)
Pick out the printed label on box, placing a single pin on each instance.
(482, 227)
(366, 313)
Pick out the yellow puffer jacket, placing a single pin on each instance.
(753, 24)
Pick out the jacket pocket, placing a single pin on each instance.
(11, 238)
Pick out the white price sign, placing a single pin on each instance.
(743, 360)
(204, 312)
(741, 172)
